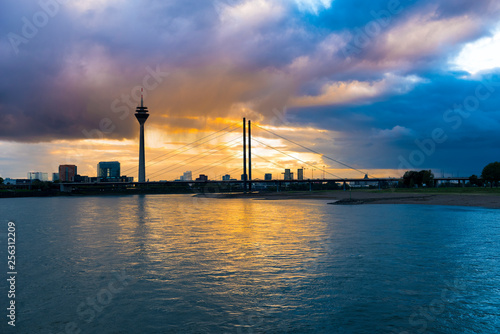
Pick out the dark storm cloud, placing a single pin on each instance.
(49, 84)
(51, 74)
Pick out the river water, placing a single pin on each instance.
(178, 264)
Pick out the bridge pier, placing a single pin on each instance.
(250, 156)
(65, 188)
(244, 156)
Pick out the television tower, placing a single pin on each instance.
(141, 113)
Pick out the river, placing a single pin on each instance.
(180, 264)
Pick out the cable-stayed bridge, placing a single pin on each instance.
(239, 144)
(161, 166)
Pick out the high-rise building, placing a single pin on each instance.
(187, 176)
(300, 174)
(38, 176)
(108, 170)
(268, 176)
(67, 173)
(142, 115)
(55, 177)
(226, 177)
(288, 175)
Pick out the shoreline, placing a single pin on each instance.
(489, 201)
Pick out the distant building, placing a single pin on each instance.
(268, 177)
(202, 177)
(125, 178)
(55, 177)
(9, 181)
(226, 177)
(288, 175)
(67, 173)
(300, 174)
(108, 171)
(81, 179)
(187, 176)
(243, 177)
(38, 176)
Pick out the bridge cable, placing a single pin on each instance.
(297, 158)
(192, 159)
(220, 163)
(229, 172)
(280, 166)
(324, 155)
(150, 164)
(183, 162)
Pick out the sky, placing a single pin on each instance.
(383, 86)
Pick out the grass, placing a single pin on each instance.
(450, 190)
(441, 190)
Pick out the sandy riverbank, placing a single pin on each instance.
(364, 197)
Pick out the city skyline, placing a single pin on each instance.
(384, 87)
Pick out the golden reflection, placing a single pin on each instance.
(225, 238)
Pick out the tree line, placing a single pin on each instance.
(489, 176)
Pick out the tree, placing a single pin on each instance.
(426, 177)
(409, 178)
(40, 185)
(1, 180)
(473, 180)
(491, 173)
(412, 178)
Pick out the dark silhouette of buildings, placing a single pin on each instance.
(202, 177)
